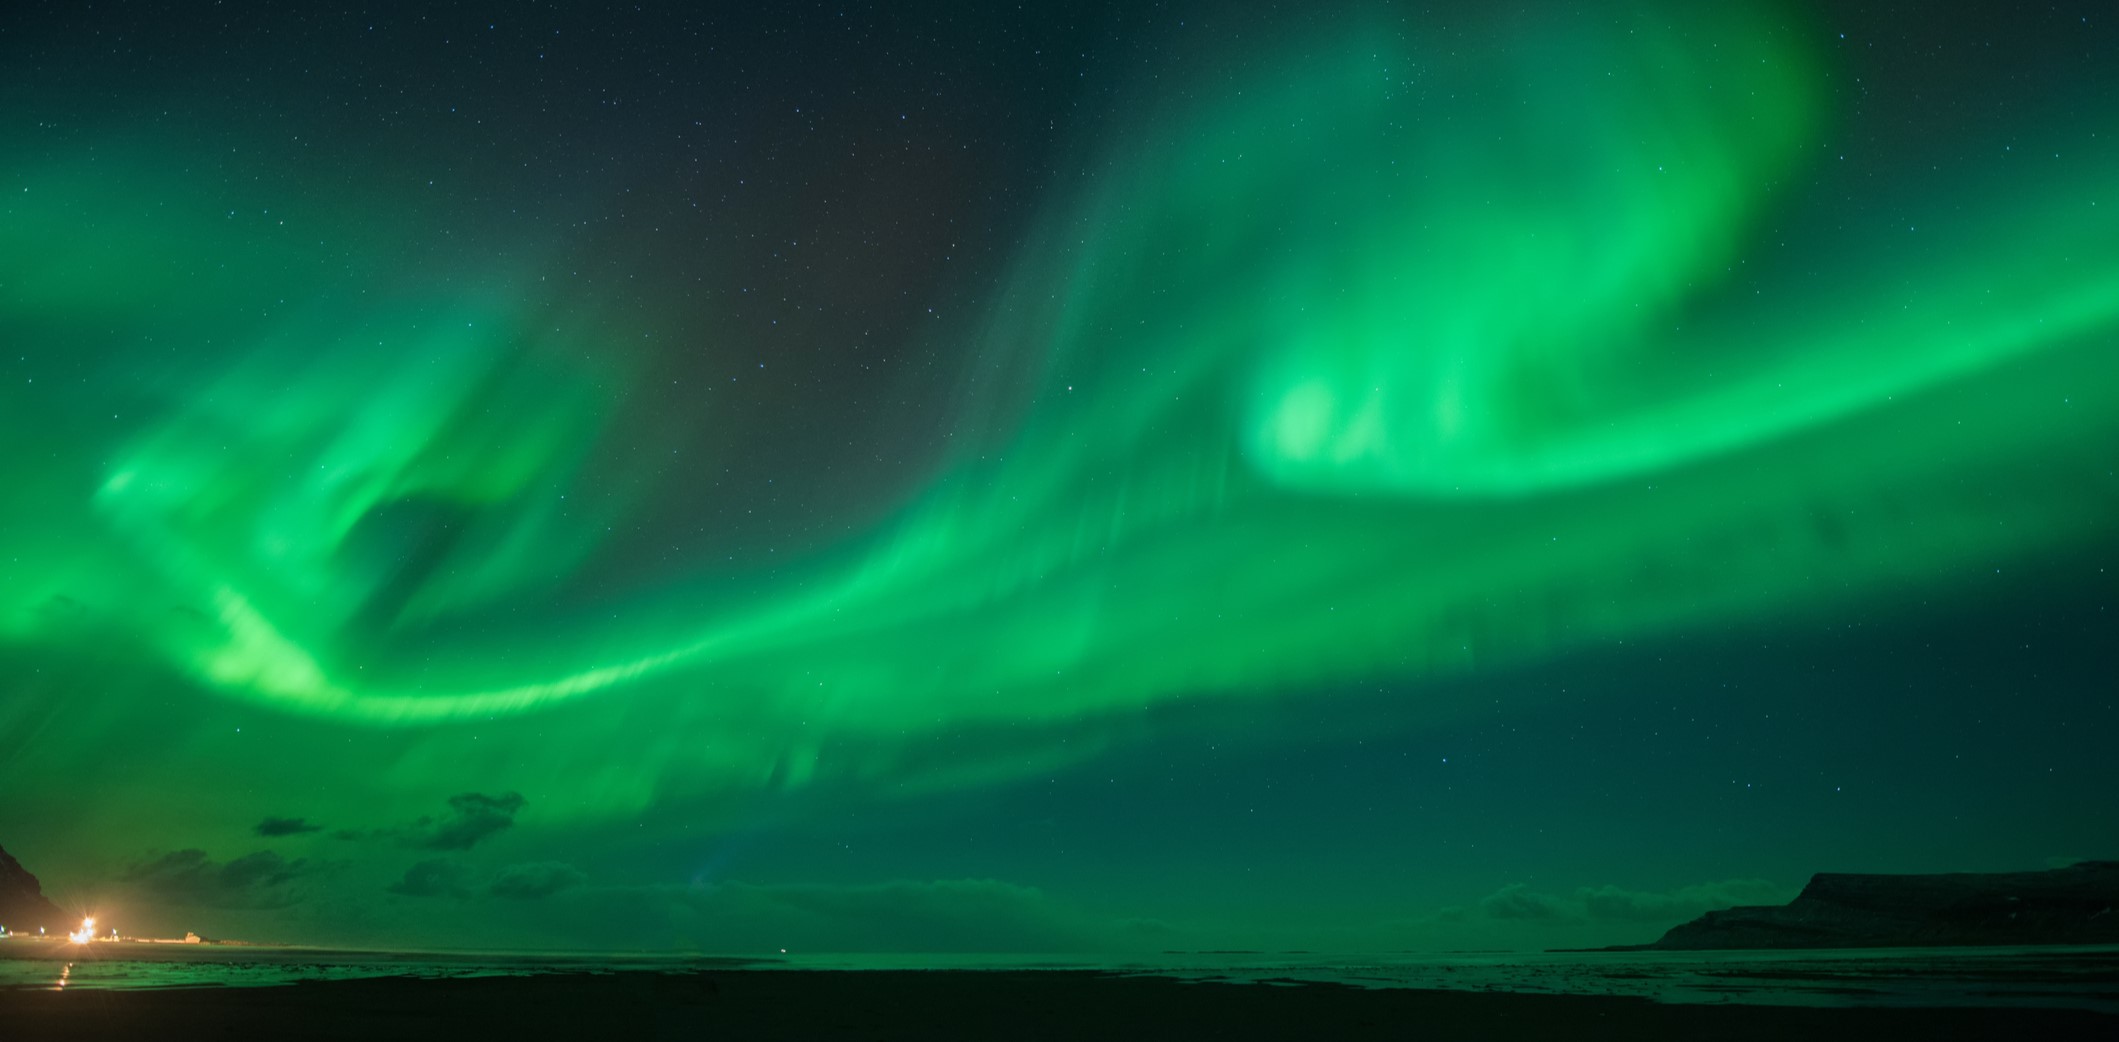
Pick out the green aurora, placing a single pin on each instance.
(1390, 352)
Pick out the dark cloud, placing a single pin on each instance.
(447, 877)
(439, 877)
(190, 877)
(1611, 904)
(528, 882)
(472, 817)
(285, 827)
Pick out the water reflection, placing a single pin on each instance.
(2075, 977)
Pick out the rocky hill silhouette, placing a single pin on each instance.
(2078, 904)
(23, 906)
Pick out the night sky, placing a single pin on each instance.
(1105, 478)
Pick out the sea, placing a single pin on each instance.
(2084, 977)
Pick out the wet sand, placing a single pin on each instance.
(876, 1004)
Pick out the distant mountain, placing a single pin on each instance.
(23, 907)
(2074, 905)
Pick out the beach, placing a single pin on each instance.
(809, 1004)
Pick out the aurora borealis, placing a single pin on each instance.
(659, 479)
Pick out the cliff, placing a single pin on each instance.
(23, 906)
(2074, 905)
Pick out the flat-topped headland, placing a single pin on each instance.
(2078, 904)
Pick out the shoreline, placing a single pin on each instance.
(952, 1004)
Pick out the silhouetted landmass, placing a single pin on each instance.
(23, 906)
(2074, 905)
(933, 1006)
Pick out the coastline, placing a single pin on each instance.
(961, 1004)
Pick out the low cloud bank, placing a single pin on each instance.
(1612, 904)
(192, 878)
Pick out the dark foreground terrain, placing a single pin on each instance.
(871, 1005)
